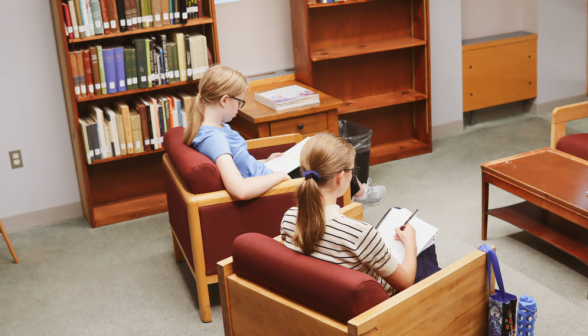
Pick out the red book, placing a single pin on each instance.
(67, 20)
(200, 11)
(105, 17)
(88, 72)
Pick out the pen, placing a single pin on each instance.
(408, 220)
(381, 220)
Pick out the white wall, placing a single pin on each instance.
(562, 49)
(32, 114)
(490, 17)
(255, 36)
(446, 77)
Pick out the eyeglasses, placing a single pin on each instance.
(241, 102)
(354, 171)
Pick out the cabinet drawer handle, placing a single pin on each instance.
(300, 126)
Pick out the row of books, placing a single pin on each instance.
(329, 1)
(133, 129)
(149, 62)
(85, 18)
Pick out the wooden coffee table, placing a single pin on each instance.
(553, 185)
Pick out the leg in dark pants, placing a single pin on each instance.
(426, 264)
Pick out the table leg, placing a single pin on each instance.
(485, 191)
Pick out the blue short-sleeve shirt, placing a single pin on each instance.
(215, 141)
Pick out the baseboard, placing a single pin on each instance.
(42, 217)
(548, 107)
(447, 130)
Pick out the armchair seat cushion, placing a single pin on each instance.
(336, 291)
(575, 144)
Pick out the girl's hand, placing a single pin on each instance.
(273, 156)
(408, 236)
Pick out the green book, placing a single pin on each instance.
(148, 54)
(128, 73)
(96, 17)
(133, 65)
(141, 62)
(101, 65)
(170, 69)
(176, 62)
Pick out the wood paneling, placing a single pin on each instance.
(387, 99)
(128, 209)
(499, 72)
(365, 48)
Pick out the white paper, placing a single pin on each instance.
(113, 24)
(177, 73)
(158, 17)
(122, 23)
(138, 144)
(129, 81)
(98, 24)
(134, 80)
(70, 30)
(184, 15)
(177, 15)
(134, 20)
(77, 89)
(425, 232)
(130, 145)
(112, 85)
(146, 142)
(97, 86)
(140, 19)
(97, 151)
(103, 85)
(121, 83)
(123, 146)
(189, 71)
(106, 25)
(91, 88)
(130, 22)
(83, 87)
(166, 16)
(289, 161)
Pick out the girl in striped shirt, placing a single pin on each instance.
(316, 227)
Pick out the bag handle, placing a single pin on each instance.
(492, 259)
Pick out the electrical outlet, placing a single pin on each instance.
(15, 159)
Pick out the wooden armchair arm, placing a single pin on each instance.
(454, 298)
(561, 116)
(274, 141)
(353, 210)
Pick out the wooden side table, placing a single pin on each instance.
(256, 120)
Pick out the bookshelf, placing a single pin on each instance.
(374, 56)
(123, 187)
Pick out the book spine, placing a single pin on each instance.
(163, 39)
(95, 71)
(88, 72)
(93, 142)
(156, 11)
(73, 18)
(135, 13)
(124, 109)
(183, 12)
(128, 69)
(74, 73)
(164, 12)
(119, 63)
(162, 73)
(178, 103)
(139, 10)
(141, 62)
(188, 57)
(128, 16)
(171, 12)
(133, 67)
(177, 13)
(109, 70)
(181, 52)
(155, 73)
(105, 21)
(120, 129)
(68, 24)
(112, 15)
(89, 153)
(96, 17)
(84, 14)
(120, 11)
(199, 9)
(142, 109)
(78, 15)
(137, 135)
(176, 63)
(148, 61)
(150, 126)
(166, 116)
(101, 67)
(89, 17)
(161, 116)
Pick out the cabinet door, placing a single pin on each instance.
(499, 74)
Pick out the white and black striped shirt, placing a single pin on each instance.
(347, 242)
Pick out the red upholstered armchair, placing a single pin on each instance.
(205, 219)
(575, 144)
(268, 289)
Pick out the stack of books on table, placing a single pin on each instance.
(287, 97)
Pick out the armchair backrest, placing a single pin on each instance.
(198, 173)
(336, 291)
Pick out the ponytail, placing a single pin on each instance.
(322, 158)
(195, 117)
(310, 221)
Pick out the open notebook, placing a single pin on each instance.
(289, 161)
(395, 217)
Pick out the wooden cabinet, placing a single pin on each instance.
(374, 56)
(256, 120)
(499, 69)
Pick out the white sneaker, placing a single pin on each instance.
(373, 195)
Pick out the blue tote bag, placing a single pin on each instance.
(502, 305)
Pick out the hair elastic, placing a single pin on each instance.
(311, 174)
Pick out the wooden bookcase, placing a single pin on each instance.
(374, 55)
(130, 186)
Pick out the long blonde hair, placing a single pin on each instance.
(217, 82)
(328, 155)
